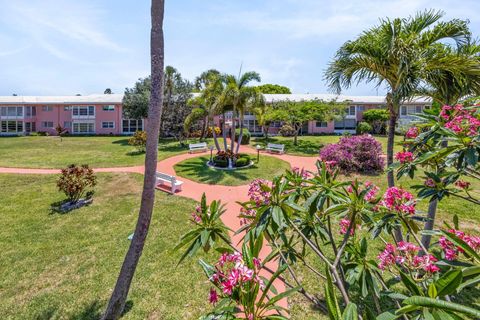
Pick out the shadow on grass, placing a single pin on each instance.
(55, 207)
(135, 153)
(205, 174)
(123, 142)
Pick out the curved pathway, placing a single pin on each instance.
(228, 195)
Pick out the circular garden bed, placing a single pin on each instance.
(197, 169)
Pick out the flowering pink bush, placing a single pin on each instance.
(404, 157)
(355, 154)
(301, 172)
(405, 256)
(344, 225)
(461, 120)
(234, 279)
(412, 133)
(258, 192)
(462, 184)
(372, 190)
(451, 251)
(398, 200)
(196, 215)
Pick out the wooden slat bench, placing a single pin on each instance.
(194, 147)
(162, 178)
(273, 147)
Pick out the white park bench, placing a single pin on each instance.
(162, 178)
(202, 146)
(273, 147)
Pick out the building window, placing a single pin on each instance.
(321, 124)
(30, 111)
(47, 124)
(346, 124)
(131, 125)
(351, 111)
(83, 127)
(67, 124)
(83, 111)
(108, 108)
(47, 108)
(108, 125)
(11, 112)
(11, 126)
(361, 108)
(410, 110)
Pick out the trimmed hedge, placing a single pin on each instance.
(245, 136)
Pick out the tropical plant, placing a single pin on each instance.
(76, 181)
(297, 113)
(364, 127)
(119, 295)
(138, 140)
(273, 89)
(264, 116)
(377, 118)
(396, 54)
(241, 97)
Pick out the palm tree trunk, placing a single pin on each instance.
(232, 133)
(432, 210)
(204, 128)
(392, 108)
(240, 136)
(215, 139)
(390, 143)
(119, 295)
(224, 133)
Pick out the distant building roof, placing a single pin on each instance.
(93, 98)
(117, 98)
(338, 98)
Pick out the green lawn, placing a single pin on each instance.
(53, 152)
(196, 169)
(310, 145)
(64, 266)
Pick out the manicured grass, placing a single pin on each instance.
(53, 152)
(64, 266)
(310, 145)
(196, 169)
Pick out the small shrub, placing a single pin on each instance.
(355, 154)
(364, 127)
(377, 118)
(242, 161)
(60, 130)
(76, 181)
(138, 140)
(245, 136)
(287, 131)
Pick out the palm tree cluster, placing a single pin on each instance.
(418, 55)
(222, 93)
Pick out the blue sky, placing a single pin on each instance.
(61, 47)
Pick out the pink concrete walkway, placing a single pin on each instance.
(228, 195)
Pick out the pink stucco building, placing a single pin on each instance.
(92, 114)
(103, 114)
(357, 106)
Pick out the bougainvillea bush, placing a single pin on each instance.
(362, 154)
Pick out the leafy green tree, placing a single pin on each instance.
(296, 113)
(119, 295)
(273, 89)
(395, 54)
(136, 99)
(264, 115)
(108, 91)
(377, 118)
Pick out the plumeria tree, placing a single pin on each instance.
(327, 226)
(446, 166)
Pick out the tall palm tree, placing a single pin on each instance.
(171, 76)
(263, 113)
(447, 88)
(239, 96)
(394, 54)
(119, 295)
